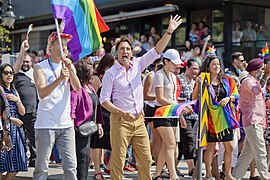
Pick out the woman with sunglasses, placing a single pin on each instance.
(14, 160)
(149, 100)
(222, 113)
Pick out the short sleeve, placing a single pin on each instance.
(158, 80)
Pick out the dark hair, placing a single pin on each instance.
(84, 71)
(206, 63)
(123, 39)
(2, 67)
(34, 52)
(191, 61)
(190, 46)
(235, 55)
(107, 60)
(152, 66)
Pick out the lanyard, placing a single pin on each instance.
(174, 90)
(53, 70)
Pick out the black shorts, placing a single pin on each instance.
(149, 112)
(227, 136)
(165, 122)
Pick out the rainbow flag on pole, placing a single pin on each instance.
(83, 22)
(265, 51)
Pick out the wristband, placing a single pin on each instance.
(168, 33)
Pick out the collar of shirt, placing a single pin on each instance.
(120, 66)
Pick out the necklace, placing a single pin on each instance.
(174, 92)
(217, 91)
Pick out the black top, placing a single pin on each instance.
(27, 91)
(222, 92)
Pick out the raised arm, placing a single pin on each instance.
(19, 61)
(173, 24)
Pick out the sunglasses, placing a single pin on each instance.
(8, 72)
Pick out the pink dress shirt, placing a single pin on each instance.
(125, 87)
(252, 103)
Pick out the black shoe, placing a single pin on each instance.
(158, 177)
(255, 178)
(31, 163)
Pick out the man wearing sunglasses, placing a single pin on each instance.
(238, 64)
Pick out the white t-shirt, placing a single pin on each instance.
(54, 110)
(168, 83)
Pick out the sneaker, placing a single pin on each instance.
(255, 178)
(129, 168)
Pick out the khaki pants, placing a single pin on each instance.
(254, 147)
(123, 133)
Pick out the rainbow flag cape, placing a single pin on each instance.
(221, 118)
(265, 51)
(172, 111)
(83, 22)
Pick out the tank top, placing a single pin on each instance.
(54, 110)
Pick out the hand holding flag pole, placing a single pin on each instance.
(30, 27)
(59, 40)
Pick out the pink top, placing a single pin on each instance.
(125, 87)
(252, 103)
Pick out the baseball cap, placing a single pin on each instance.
(174, 56)
(53, 36)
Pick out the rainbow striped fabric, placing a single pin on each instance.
(83, 22)
(265, 51)
(221, 118)
(172, 111)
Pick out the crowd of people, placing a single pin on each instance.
(47, 104)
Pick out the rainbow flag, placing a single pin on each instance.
(83, 22)
(30, 27)
(172, 111)
(265, 51)
(221, 118)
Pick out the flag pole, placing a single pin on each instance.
(200, 152)
(59, 40)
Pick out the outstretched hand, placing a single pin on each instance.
(174, 23)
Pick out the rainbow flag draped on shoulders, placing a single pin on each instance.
(221, 118)
(83, 22)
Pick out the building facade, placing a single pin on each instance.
(138, 16)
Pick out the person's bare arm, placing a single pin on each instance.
(19, 61)
(40, 81)
(74, 80)
(160, 97)
(148, 87)
(173, 24)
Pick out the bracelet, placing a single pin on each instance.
(262, 80)
(168, 33)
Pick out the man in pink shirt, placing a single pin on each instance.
(253, 109)
(123, 83)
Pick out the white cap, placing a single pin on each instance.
(173, 55)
